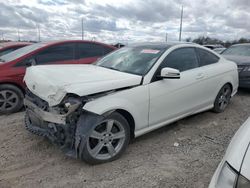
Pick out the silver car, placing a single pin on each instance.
(234, 169)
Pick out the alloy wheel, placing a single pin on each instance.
(224, 97)
(8, 100)
(106, 140)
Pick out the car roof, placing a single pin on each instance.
(69, 41)
(13, 43)
(160, 45)
(242, 44)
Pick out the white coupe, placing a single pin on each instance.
(92, 111)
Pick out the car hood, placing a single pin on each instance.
(238, 147)
(52, 82)
(240, 60)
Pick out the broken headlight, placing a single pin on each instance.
(69, 102)
(68, 105)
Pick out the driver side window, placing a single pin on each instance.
(182, 59)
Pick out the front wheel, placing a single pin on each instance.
(108, 140)
(222, 99)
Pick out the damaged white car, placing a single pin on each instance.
(92, 111)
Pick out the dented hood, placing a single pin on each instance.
(52, 82)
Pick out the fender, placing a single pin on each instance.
(130, 100)
(84, 127)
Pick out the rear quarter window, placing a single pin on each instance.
(206, 57)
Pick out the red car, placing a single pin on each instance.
(13, 65)
(7, 47)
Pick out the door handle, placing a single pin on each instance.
(199, 76)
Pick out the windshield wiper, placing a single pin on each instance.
(113, 68)
(110, 68)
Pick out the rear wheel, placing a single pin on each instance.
(11, 99)
(222, 99)
(108, 140)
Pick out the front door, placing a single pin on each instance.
(172, 98)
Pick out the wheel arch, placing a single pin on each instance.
(14, 84)
(230, 84)
(227, 83)
(128, 116)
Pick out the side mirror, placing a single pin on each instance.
(170, 73)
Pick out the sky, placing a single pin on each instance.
(123, 21)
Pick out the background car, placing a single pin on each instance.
(13, 65)
(219, 50)
(94, 110)
(234, 169)
(216, 47)
(7, 47)
(240, 54)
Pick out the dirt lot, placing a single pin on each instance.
(152, 160)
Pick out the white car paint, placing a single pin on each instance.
(237, 154)
(152, 105)
(53, 82)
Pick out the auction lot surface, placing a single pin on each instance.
(153, 160)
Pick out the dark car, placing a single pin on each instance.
(240, 54)
(7, 47)
(216, 47)
(13, 65)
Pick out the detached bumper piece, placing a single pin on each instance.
(68, 131)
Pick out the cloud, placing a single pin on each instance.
(131, 20)
(145, 11)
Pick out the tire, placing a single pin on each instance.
(222, 99)
(107, 141)
(11, 99)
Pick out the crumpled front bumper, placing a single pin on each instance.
(56, 127)
(74, 130)
(49, 116)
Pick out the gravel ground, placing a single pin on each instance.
(153, 160)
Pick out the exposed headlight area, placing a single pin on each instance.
(227, 177)
(69, 104)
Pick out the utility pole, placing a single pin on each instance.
(2, 36)
(181, 23)
(82, 30)
(39, 33)
(166, 37)
(18, 35)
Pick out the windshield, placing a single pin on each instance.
(20, 52)
(134, 60)
(243, 50)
